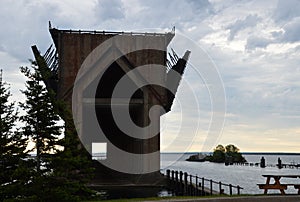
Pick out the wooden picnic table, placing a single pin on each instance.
(277, 185)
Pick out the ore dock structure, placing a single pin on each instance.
(60, 66)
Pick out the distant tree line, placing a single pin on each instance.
(60, 170)
(227, 154)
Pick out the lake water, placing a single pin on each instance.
(245, 176)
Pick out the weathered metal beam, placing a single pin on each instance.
(174, 78)
(47, 75)
(107, 101)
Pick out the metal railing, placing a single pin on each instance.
(192, 185)
(71, 31)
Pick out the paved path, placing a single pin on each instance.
(242, 199)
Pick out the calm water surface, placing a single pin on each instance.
(244, 176)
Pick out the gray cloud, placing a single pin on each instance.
(292, 31)
(257, 42)
(289, 33)
(202, 8)
(276, 34)
(249, 21)
(109, 10)
(286, 10)
(26, 23)
(259, 83)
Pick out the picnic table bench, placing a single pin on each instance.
(277, 185)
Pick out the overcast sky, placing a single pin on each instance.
(254, 45)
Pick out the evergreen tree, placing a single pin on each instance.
(13, 166)
(62, 167)
(41, 127)
(40, 119)
(72, 168)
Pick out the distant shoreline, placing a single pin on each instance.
(243, 153)
(271, 153)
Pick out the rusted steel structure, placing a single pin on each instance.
(60, 66)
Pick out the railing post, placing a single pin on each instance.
(220, 188)
(180, 181)
(211, 187)
(176, 182)
(180, 176)
(197, 188)
(191, 187)
(238, 190)
(185, 183)
(230, 189)
(202, 188)
(176, 176)
(172, 179)
(168, 174)
(169, 181)
(172, 175)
